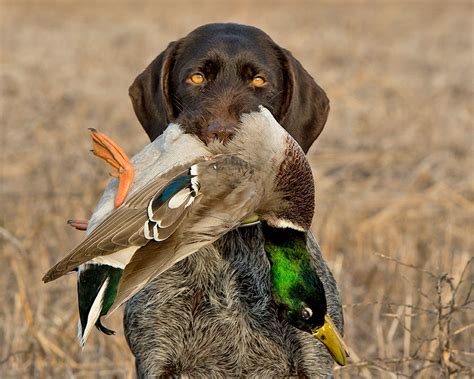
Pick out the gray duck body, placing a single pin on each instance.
(212, 316)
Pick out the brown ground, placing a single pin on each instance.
(393, 167)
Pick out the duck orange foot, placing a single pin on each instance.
(106, 149)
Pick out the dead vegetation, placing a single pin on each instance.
(395, 200)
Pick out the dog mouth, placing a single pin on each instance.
(209, 132)
(217, 120)
(222, 132)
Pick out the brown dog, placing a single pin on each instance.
(207, 79)
(212, 314)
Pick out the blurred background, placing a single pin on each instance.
(393, 167)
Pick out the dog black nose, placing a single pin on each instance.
(221, 132)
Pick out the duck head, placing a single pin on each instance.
(297, 290)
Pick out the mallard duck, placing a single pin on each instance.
(296, 288)
(190, 205)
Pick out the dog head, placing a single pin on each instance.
(207, 79)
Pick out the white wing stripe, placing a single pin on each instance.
(155, 232)
(146, 230)
(190, 201)
(193, 170)
(195, 185)
(94, 314)
(118, 259)
(150, 209)
(179, 199)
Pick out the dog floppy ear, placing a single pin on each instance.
(150, 93)
(305, 105)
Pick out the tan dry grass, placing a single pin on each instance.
(393, 167)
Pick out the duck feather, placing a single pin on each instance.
(123, 225)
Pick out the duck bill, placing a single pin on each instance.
(329, 336)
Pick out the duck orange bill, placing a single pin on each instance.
(109, 151)
(330, 337)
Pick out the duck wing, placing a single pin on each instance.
(202, 228)
(152, 213)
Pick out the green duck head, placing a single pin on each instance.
(297, 290)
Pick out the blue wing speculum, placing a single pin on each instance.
(168, 207)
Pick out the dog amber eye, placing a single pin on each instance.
(258, 81)
(196, 78)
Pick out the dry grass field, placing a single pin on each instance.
(393, 167)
